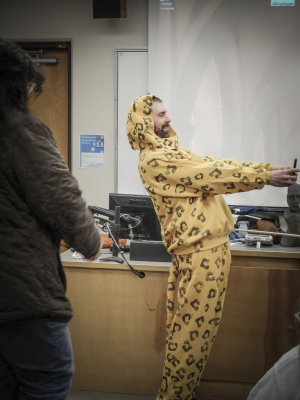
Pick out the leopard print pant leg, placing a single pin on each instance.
(171, 294)
(202, 280)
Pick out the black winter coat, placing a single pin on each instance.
(40, 203)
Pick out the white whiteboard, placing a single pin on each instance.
(228, 72)
(131, 82)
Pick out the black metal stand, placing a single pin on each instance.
(115, 235)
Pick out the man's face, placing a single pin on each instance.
(160, 119)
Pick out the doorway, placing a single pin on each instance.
(53, 105)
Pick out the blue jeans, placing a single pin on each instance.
(36, 360)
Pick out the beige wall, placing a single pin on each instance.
(93, 68)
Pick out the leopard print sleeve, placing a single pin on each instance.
(170, 175)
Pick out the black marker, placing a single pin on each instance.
(295, 163)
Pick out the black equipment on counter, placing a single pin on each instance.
(114, 228)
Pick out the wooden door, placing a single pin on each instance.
(53, 105)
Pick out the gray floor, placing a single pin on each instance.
(85, 395)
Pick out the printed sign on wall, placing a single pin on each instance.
(282, 3)
(91, 151)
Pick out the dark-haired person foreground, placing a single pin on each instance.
(40, 204)
(186, 191)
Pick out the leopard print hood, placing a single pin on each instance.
(140, 127)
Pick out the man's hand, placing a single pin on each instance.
(277, 167)
(283, 176)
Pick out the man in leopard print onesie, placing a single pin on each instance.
(186, 191)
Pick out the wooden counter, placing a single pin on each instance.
(118, 329)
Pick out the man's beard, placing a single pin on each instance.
(160, 131)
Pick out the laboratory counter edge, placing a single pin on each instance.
(237, 250)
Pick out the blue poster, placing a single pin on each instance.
(282, 3)
(91, 151)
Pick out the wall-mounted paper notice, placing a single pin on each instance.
(282, 3)
(91, 151)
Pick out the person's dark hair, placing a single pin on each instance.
(17, 75)
(157, 99)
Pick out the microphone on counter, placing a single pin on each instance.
(111, 214)
(114, 228)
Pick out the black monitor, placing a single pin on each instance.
(137, 206)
